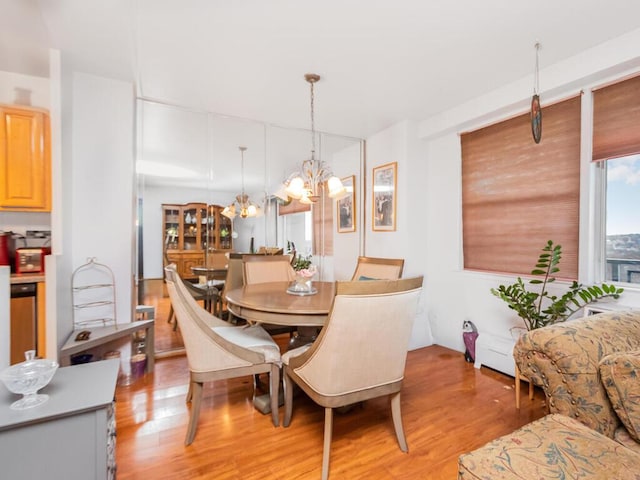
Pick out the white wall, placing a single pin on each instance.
(18, 89)
(400, 144)
(103, 179)
(454, 295)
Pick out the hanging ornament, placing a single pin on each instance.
(536, 110)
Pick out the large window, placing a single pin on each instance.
(622, 225)
(517, 195)
(616, 147)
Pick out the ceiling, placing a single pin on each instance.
(380, 61)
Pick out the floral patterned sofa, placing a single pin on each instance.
(590, 372)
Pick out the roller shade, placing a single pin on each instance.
(517, 195)
(616, 120)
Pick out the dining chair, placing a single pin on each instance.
(267, 268)
(360, 353)
(216, 351)
(371, 268)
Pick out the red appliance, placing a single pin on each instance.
(31, 260)
(7, 248)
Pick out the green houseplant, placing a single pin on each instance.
(539, 308)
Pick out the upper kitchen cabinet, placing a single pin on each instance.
(25, 160)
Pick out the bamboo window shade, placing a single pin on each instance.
(517, 195)
(616, 120)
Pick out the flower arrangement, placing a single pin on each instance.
(303, 266)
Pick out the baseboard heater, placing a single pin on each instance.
(495, 352)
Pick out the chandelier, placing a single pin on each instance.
(241, 205)
(305, 184)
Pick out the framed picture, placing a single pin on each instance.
(384, 197)
(347, 206)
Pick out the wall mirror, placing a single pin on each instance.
(189, 167)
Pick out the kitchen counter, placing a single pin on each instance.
(26, 278)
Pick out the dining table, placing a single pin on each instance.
(274, 303)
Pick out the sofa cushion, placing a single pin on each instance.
(554, 446)
(622, 436)
(620, 374)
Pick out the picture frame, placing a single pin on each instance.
(346, 206)
(384, 197)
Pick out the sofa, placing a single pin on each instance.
(589, 369)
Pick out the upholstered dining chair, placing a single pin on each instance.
(360, 353)
(371, 268)
(267, 268)
(215, 350)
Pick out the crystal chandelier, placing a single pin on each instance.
(241, 205)
(304, 185)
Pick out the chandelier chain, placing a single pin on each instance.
(536, 75)
(313, 126)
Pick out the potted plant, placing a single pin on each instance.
(539, 308)
(305, 271)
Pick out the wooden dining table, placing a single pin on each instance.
(271, 303)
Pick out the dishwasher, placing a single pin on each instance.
(24, 320)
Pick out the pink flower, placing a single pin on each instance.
(307, 272)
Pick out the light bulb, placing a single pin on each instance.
(295, 189)
(336, 188)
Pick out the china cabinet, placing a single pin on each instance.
(191, 230)
(25, 160)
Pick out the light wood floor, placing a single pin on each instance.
(448, 406)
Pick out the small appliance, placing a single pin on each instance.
(7, 248)
(31, 260)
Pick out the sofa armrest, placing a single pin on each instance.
(563, 359)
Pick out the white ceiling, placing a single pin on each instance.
(381, 61)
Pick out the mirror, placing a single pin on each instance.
(189, 162)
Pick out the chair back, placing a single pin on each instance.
(365, 340)
(205, 349)
(370, 268)
(267, 268)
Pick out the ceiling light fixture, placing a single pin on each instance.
(305, 184)
(241, 205)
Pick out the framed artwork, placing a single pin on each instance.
(347, 206)
(384, 197)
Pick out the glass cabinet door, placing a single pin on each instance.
(190, 225)
(225, 233)
(171, 233)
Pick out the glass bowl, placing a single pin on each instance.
(27, 378)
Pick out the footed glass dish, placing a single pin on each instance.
(27, 378)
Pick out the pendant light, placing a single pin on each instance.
(304, 185)
(241, 205)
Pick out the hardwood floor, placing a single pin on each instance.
(448, 407)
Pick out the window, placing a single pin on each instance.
(616, 146)
(622, 225)
(517, 195)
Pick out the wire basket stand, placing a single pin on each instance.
(93, 295)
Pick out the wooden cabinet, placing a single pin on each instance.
(219, 230)
(25, 160)
(191, 231)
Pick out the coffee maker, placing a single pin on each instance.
(7, 249)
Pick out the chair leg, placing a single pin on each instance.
(326, 449)
(288, 397)
(170, 314)
(396, 414)
(189, 392)
(195, 412)
(274, 392)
